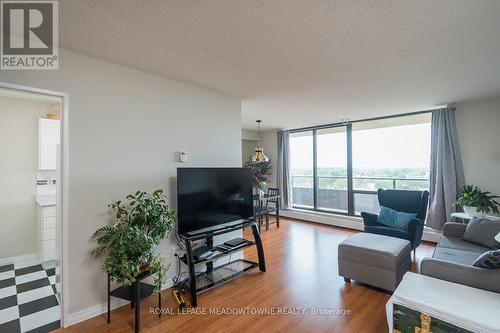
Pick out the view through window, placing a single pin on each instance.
(332, 169)
(302, 168)
(339, 169)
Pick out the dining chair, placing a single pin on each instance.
(268, 206)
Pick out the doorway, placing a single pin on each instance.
(31, 209)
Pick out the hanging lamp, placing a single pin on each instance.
(258, 155)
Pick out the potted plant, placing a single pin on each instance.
(260, 174)
(128, 243)
(475, 202)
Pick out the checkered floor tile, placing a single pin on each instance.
(28, 301)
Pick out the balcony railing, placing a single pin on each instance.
(332, 194)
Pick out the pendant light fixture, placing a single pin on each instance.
(258, 155)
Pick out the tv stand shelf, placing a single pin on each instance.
(215, 276)
(220, 255)
(222, 274)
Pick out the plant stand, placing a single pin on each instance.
(135, 294)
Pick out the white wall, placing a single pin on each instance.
(18, 170)
(270, 145)
(478, 124)
(249, 135)
(124, 129)
(247, 149)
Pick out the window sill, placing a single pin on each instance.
(344, 221)
(338, 220)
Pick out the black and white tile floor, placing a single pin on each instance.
(28, 301)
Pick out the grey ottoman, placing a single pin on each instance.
(377, 260)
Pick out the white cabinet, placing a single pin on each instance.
(49, 133)
(47, 217)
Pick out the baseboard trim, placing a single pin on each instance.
(16, 259)
(93, 311)
(349, 222)
(99, 309)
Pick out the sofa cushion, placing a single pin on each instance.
(489, 259)
(456, 256)
(483, 232)
(394, 219)
(460, 244)
(375, 250)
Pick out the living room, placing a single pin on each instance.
(372, 116)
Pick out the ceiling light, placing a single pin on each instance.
(258, 155)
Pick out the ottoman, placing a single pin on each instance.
(379, 261)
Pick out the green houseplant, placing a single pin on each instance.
(475, 202)
(260, 173)
(129, 241)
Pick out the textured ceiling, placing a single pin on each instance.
(298, 63)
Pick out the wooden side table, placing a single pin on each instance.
(135, 294)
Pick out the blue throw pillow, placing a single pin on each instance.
(394, 219)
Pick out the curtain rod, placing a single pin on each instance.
(343, 123)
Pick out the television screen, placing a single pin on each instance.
(208, 197)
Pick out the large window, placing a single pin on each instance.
(331, 159)
(339, 168)
(302, 169)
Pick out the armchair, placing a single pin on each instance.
(402, 201)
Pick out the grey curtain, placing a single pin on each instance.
(284, 180)
(446, 171)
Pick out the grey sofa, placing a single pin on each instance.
(452, 261)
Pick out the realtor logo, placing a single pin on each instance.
(29, 35)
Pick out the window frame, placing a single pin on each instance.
(350, 181)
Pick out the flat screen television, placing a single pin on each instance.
(209, 197)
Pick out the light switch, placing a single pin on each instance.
(181, 156)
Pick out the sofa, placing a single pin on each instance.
(453, 258)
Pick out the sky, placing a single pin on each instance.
(405, 146)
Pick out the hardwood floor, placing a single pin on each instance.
(301, 260)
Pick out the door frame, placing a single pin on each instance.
(62, 211)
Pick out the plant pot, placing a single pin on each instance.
(472, 212)
(259, 192)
